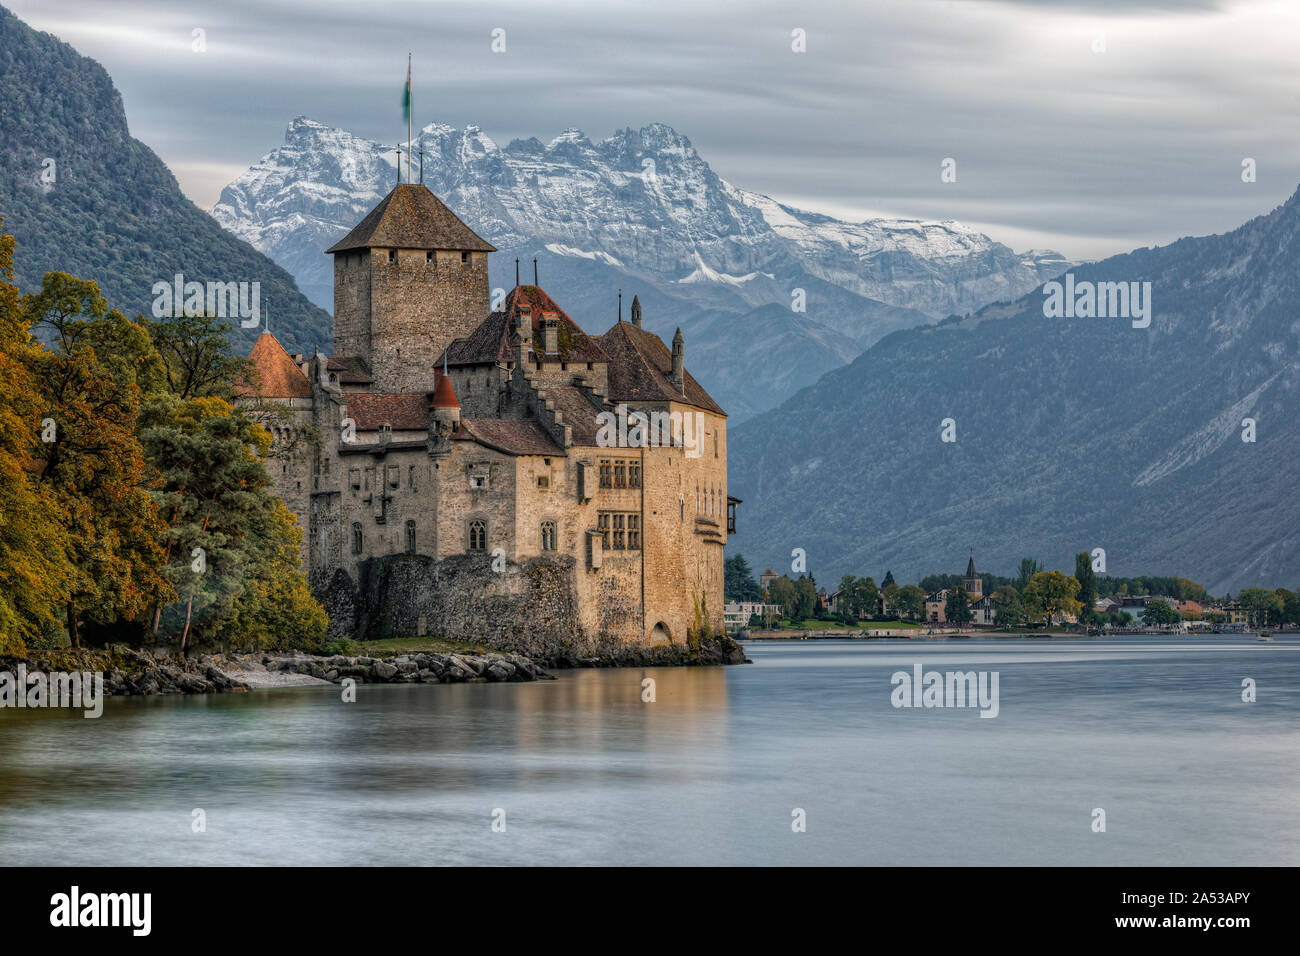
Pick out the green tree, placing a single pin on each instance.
(1262, 606)
(910, 602)
(1087, 579)
(1008, 613)
(1028, 568)
(197, 357)
(781, 592)
(1159, 613)
(805, 593)
(738, 580)
(957, 607)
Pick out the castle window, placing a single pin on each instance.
(428, 256)
(715, 443)
(634, 532)
(602, 525)
(410, 477)
(618, 532)
(478, 482)
(410, 537)
(606, 474)
(392, 255)
(543, 481)
(634, 474)
(464, 259)
(357, 539)
(548, 535)
(478, 535)
(620, 474)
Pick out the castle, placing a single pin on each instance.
(454, 470)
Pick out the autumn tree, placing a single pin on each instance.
(1050, 594)
(35, 570)
(91, 377)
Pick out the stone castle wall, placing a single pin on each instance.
(398, 309)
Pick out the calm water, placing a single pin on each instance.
(1152, 731)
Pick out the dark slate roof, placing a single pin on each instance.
(578, 411)
(411, 217)
(639, 366)
(351, 369)
(526, 437)
(277, 374)
(404, 411)
(493, 341)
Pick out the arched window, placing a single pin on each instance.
(478, 535)
(410, 537)
(548, 535)
(357, 540)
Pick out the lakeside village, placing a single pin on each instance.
(778, 606)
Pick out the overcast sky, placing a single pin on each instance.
(1090, 127)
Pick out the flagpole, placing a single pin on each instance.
(409, 111)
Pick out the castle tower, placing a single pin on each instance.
(409, 279)
(972, 583)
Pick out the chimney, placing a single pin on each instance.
(636, 311)
(678, 377)
(550, 333)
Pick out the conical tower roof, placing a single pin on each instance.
(278, 375)
(412, 217)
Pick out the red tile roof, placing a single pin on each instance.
(351, 369)
(639, 367)
(526, 437)
(402, 411)
(493, 340)
(276, 375)
(411, 217)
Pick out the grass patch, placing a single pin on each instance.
(393, 646)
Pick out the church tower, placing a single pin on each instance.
(972, 583)
(409, 279)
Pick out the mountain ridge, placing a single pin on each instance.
(639, 210)
(81, 195)
(1071, 433)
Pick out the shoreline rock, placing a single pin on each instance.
(129, 672)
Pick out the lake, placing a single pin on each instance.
(581, 770)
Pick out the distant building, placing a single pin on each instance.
(738, 615)
(766, 578)
(936, 607)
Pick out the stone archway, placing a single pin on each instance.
(661, 634)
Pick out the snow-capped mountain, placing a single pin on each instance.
(641, 211)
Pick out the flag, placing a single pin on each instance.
(406, 96)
